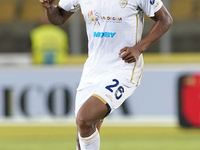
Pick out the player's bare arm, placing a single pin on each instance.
(163, 22)
(55, 14)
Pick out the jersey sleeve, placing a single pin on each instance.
(69, 5)
(150, 7)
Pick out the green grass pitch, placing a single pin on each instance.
(112, 138)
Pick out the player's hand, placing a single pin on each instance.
(47, 3)
(129, 54)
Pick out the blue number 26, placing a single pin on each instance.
(119, 91)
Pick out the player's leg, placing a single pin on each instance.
(89, 115)
(108, 95)
(77, 139)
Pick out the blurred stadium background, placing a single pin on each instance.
(37, 101)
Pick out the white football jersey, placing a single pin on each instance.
(112, 25)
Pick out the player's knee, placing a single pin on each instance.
(83, 124)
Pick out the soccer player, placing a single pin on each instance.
(115, 62)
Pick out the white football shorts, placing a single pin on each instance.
(112, 90)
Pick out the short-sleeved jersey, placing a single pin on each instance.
(112, 25)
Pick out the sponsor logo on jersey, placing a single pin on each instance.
(123, 3)
(94, 17)
(104, 34)
(107, 18)
(152, 2)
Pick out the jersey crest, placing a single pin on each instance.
(123, 3)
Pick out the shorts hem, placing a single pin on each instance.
(107, 105)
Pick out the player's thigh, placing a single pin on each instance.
(83, 94)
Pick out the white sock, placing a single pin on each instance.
(90, 143)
